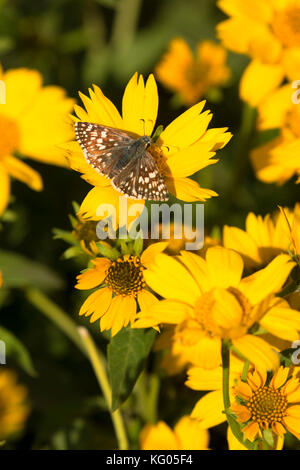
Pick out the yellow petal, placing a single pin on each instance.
(268, 280)
(226, 311)
(209, 410)
(188, 190)
(93, 277)
(258, 351)
(146, 300)
(282, 322)
(165, 311)
(151, 251)
(191, 434)
(204, 379)
(22, 172)
(225, 267)
(292, 424)
(158, 437)
(4, 188)
(119, 313)
(190, 160)
(258, 81)
(45, 125)
(280, 377)
(185, 130)
(22, 86)
(98, 301)
(108, 113)
(197, 266)
(140, 105)
(272, 111)
(171, 280)
(240, 241)
(233, 442)
(250, 431)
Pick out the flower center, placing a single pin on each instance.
(10, 136)
(204, 316)
(286, 26)
(125, 276)
(267, 405)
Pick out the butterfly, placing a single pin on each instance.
(123, 159)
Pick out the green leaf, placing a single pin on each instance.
(138, 246)
(268, 437)
(19, 271)
(286, 357)
(107, 252)
(127, 353)
(17, 350)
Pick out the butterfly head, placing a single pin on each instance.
(146, 140)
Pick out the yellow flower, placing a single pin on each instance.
(192, 77)
(208, 300)
(264, 404)
(184, 147)
(187, 435)
(122, 285)
(268, 32)
(1, 279)
(278, 160)
(209, 410)
(265, 237)
(13, 408)
(33, 122)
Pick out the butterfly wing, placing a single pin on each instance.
(102, 146)
(141, 179)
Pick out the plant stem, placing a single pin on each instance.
(98, 363)
(235, 427)
(55, 314)
(125, 22)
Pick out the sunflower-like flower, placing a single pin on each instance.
(265, 237)
(184, 147)
(121, 285)
(268, 32)
(264, 404)
(13, 407)
(278, 160)
(33, 122)
(209, 300)
(187, 435)
(192, 77)
(209, 410)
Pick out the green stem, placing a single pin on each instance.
(125, 22)
(153, 398)
(98, 363)
(245, 371)
(235, 427)
(55, 314)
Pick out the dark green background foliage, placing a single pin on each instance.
(75, 43)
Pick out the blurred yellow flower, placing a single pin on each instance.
(268, 32)
(122, 285)
(187, 435)
(184, 147)
(278, 160)
(85, 232)
(13, 407)
(265, 237)
(189, 76)
(33, 122)
(268, 404)
(209, 300)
